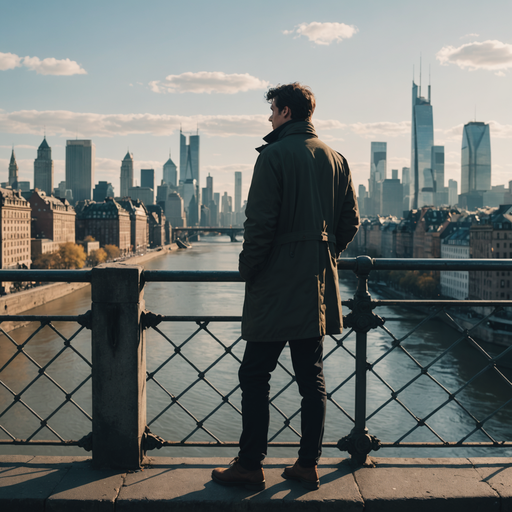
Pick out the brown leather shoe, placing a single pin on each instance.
(236, 475)
(308, 477)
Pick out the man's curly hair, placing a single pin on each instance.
(298, 98)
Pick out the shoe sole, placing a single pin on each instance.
(307, 484)
(258, 486)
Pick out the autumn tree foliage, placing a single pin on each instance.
(96, 257)
(69, 256)
(112, 251)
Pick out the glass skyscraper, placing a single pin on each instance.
(421, 188)
(475, 158)
(80, 161)
(378, 161)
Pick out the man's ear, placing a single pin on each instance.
(287, 113)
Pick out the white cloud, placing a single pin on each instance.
(20, 146)
(328, 124)
(9, 61)
(500, 131)
(469, 35)
(52, 66)
(497, 131)
(48, 66)
(383, 128)
(489, 55)
(208, 82)
(71, 124)
(324, 33)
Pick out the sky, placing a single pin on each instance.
(128, 74)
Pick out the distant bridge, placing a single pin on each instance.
(186, 231)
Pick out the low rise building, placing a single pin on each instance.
(455, 283)
(107, 222)
(491, 237)
(15, 219)
(52, 218)
(139, 236)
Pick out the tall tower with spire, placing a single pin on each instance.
(421, 190)
(126, 174)
(43, 168)
(170, 172)
(13, 171)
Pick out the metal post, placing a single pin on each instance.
(362, 319)
(119, 366)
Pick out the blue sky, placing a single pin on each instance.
(127, 74)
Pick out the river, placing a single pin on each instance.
(176, 421)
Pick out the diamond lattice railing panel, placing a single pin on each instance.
(45, 382)
(193, 391)
(442, 383)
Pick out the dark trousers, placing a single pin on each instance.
(260, 359)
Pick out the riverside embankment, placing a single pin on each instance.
(19, 302)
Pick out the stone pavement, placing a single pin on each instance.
(34, 483)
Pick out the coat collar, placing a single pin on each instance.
(292, 127)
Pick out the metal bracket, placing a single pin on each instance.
(85, 320)
(362, 318)
(151, 441)
(359, 445)
(149, 319)
(86, 442)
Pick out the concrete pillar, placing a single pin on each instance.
(119, 366)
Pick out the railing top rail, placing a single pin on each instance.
(361, 263)
(55, 276)
(423, 264)
(193, 276)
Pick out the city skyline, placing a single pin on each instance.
(135, 95)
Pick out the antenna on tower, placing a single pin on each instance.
(197, 129)
(429, 83)
(420, 74)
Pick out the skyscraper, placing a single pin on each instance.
(126, 174)
(147, 178)
(437, 162)
(238, 191)
(378, 161)
(80, 163)
(43, 168)
(170, 175)
(452, 192)
(421, 188)
(13, 171)
(189, 176)
(475, 158)
(189, 157)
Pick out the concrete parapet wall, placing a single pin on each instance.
(16, 303)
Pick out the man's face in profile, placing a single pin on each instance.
(277, 118)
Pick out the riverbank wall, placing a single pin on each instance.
(20, 302)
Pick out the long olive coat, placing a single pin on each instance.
(301, 214)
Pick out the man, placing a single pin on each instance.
(301, 214)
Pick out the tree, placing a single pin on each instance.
(89, 238)
(112, 251)
(71, 255)
(45, 261)
(96, 257)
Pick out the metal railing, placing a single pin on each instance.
(119, 324)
